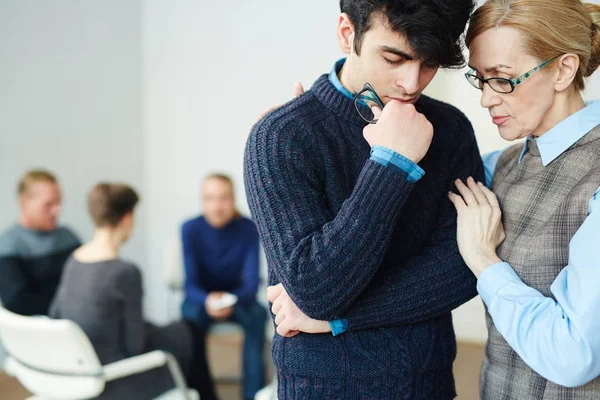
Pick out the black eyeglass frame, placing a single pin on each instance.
(358, 99)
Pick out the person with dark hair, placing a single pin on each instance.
(221, 256)
(103, 294)
(348, 187)
(33, 252)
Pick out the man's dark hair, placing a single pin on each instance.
(433, 28)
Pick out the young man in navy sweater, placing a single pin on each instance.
(359, 234)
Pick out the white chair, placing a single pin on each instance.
(269, 392)
(54, 359)
(3, 353)
(3, 356)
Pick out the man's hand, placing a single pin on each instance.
(217, 314)
(402, 129)
(297, 89)
(289, 319)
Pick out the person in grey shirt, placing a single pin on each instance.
(103, 294)
(34, 250)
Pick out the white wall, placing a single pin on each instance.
(70, 101)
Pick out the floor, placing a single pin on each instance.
(226, 367)
(466, 370)
(10, 389)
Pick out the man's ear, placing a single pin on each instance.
(345, 34)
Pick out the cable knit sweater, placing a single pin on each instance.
(350, 238)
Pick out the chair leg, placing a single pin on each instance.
(177, 376)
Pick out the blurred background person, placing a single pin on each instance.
(221, 256)
(34, 250)
(103, 294)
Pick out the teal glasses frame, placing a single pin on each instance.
(503, 85)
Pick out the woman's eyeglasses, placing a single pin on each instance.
(503, 85)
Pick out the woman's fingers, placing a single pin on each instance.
(491, 197)
(298, 89)
(477, 192)
(458, 201)
(466, 193)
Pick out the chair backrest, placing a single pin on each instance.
(50, 357)
(173, 269)
(3, 353)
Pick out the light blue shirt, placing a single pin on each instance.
(560, 340)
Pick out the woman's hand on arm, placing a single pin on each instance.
(479, 225)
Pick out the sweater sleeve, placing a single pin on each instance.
(432, 283)
(323, 260)
(246, 293)
(16, 293)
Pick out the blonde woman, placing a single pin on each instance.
(531, 240)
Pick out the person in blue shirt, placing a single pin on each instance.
(531, 240)
(221, 256)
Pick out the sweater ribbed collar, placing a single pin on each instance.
(336, 102)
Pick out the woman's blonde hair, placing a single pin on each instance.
(551, 28)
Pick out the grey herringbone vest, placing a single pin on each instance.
(542, 208)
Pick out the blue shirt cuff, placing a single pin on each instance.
(390, 158)
(338, 326)
(493, 278)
